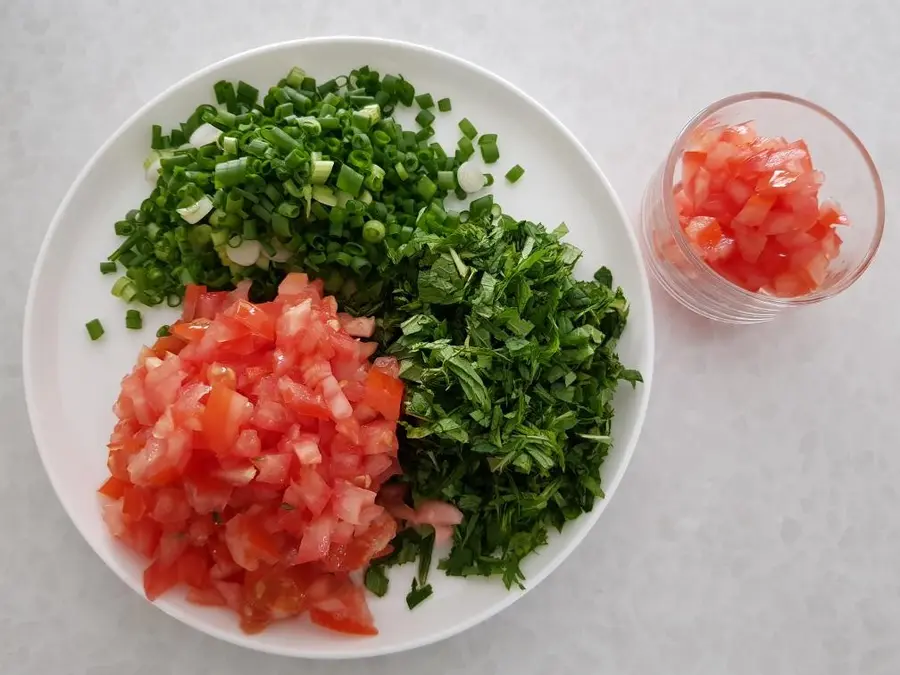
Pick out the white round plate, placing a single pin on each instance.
(72, 382)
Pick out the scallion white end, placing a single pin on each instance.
(469, 177)
(246, 254)
(197, 211)
(205, 134)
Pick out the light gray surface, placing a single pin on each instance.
(757, 530)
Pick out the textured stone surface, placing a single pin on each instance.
(757, 530)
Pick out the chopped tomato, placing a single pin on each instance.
(225, 411)
(273, 468)
(113, 488)
(192, 293)
(171, 344)
(191, 331)
(248, 453)
(384, 393)
(256, 320)
(159, 578)
(750, 207)
(193, 568)
(302, 400)
(354, 623)
(438, 513)
(136, 502)
(208, 597)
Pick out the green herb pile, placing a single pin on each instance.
(510, 363)
(510, 367)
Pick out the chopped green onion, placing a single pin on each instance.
(486, 139)
(157, 140)
(197, 211)
(224, 91)
(280, 224)
(230, 144)
(163, 330)
(425, 118)
(468, 129)
(481, 207)
(349, 181)
(108, 267)
(425, 101)
(295, 77)
(426, 188)
(94, 329)
(490, 153)
(373, 231)
(446, 180)
(133, 319)
(488, 179)
(231, 172)
(247, 93)
(321, 170)
(466, 148)
(515, 173)
(324, 195)
(424, 134)
(374, 180)
(444, 105)
(405, 92)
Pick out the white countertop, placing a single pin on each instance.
(758, 528)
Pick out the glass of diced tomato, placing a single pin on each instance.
(765, 202)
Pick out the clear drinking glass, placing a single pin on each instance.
(851, 180)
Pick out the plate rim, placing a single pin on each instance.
(593, 516)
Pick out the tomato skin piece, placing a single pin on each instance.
(168, 344)
(750, 244)
(171, 546)
(273, 468)
(193, 568)
(143, 536)
(384, 394)
(341, 624)
(159, 578)
(205, 597)
(294, 283)
(316, 541)
(362, 326)
(135, 503)
(311, 491)
(346, 612)
(191, 331)
(360, 551)
(438, 513)
(350, 500)
(225, 411)
(113, 488)
(192, 293)
(256, 320)
(207, 493)
(249, 543)
(302, 400)
(210, 304)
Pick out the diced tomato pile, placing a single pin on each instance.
(249, 452)
(750, 207)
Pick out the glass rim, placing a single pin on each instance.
(671, 211)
